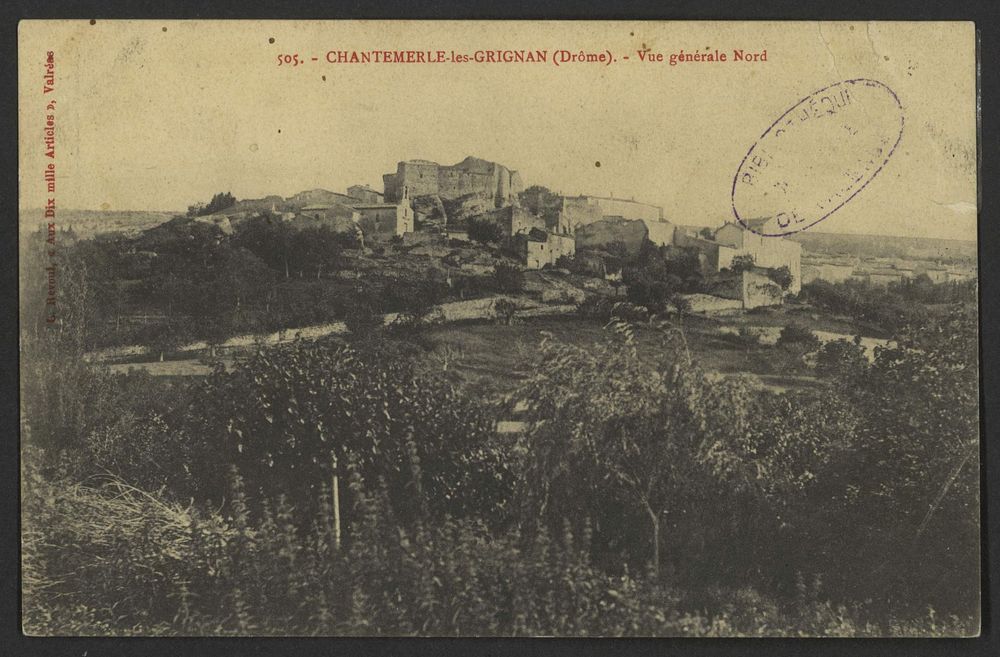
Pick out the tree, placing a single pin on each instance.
(269, 239)
(543, 202)
(315, 249)
(742, 263)
(220, 201)
(484, 231)
(416, 301)
(505, 309)
(781, 275)
(917, 468)
(707, 233)
(797, 338)
(612, 435)
(508, 278)
(287, 414)
(364, 314)
(842, 360)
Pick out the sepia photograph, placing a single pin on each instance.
(498, 328)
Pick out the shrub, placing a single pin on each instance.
(742, 263)
(797, 338)
(629, 312)
(508, 278)
(781, 275)
(841, 358)
(363, 315)
(596, 306)
(484, 231)
(286, 415)
(504, 310)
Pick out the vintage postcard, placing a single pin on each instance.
(403, 328)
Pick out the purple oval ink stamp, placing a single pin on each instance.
(817, 156)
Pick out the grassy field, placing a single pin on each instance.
(491, 359)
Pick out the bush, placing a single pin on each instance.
(782, 276)
(596, 306)
(508, 278)
(504, 310)
(484, 231)
(363, 315)
(797, 338)
(629, 312)
(840, 358)
(742, 263)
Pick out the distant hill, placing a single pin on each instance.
(87, 223)
(881, 246)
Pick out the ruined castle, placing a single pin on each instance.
(470, 176)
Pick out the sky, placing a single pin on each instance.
(158, 115)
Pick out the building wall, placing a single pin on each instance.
(561, 245)
(884, 279)
(759, 290)
(608, 230)
(716, 257)
(535, 254)
(660, 233)
(583, 210)
(453, 183)
(826, 272)
(515, 220)
(731, 235)
(382, 222)
(470, 176)
(364, 194)
(772, 252)
(420, 177)
(576, 212)
(628, 209)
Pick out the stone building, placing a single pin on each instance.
(537, 248)
(470, 176)
(513, 220)
(383, 221)
(771, 252)
(826, 271)
(365, 194)
(752, 288)
(630, 232)
(714, 257)
(582, 210)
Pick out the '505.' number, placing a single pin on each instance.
(291, 60)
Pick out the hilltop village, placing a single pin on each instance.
(426, 204)
(469, 242)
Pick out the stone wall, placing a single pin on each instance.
(536, 254)
(382, 222)
(713, 256)
(772, 252)
(470, 176)
(583, 210)
(514, 220)
(600, 234)
(759, 290)
(660, 233)
(364, 194)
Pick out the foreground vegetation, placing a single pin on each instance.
(645, 498)
(361, 486)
